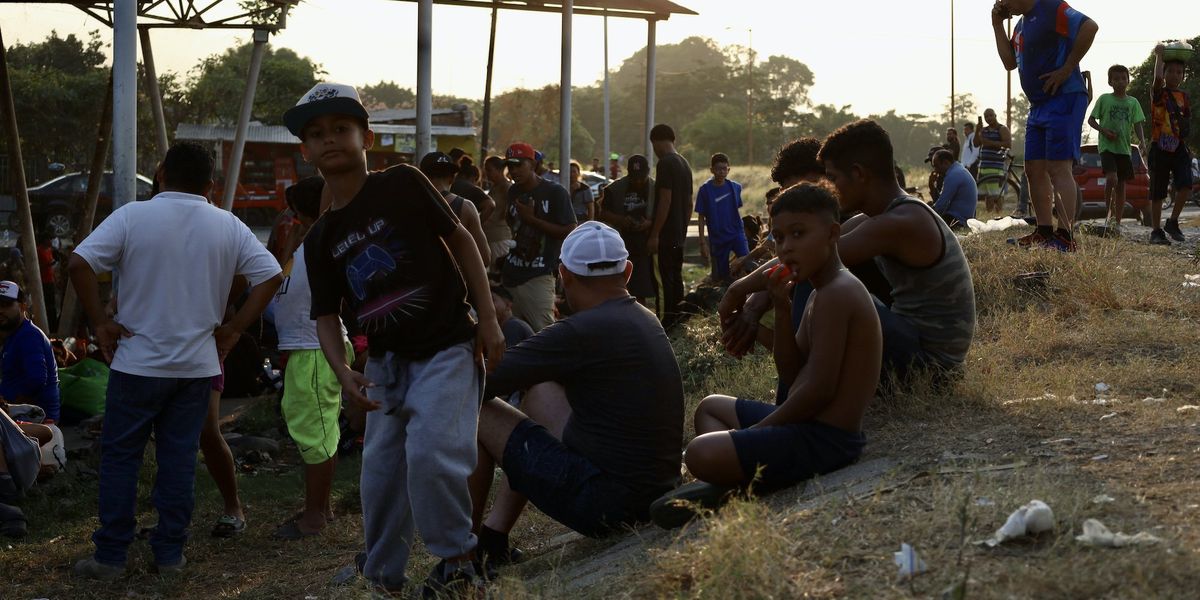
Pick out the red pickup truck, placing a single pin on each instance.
(1089, 175)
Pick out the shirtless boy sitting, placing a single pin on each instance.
(832, 362)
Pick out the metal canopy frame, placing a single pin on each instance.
(650, 10)
(185, 14)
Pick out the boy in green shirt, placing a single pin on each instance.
(1114, 117)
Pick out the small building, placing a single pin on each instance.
(272, 161)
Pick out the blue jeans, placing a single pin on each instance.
(174, 409)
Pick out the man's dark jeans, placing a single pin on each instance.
(174, 409)
(670, 272)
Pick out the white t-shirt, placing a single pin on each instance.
(969, 153)
(177, 256)
(292, 307)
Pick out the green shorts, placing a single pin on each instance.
(312, 401)
(991, 187)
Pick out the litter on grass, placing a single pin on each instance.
(977, 226)
(1103, 499)
(1096, 534)
(1191, 281)
(1187, 408)
(909, 563)
(1031, 518)
(1153, 400)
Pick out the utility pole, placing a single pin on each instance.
(953, 100)
(750, 100)
(1008, 94)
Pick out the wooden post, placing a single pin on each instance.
(68, 321)
(32, 286)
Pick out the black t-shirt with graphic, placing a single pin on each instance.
(674, 173)
(621, 198)
(535, 253)
(383, 255)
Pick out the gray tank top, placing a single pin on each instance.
(939, 299)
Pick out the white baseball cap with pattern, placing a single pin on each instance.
(10, 291)
(324, 99)
(594, 250)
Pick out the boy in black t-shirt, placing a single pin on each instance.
(391, 250)
(627, 204)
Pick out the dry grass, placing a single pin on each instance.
(1115, 313)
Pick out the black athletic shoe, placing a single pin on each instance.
(1172, 229)
(677, 507)
(9, 492)
(453, 581)
(1158, 238)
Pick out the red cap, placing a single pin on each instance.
(520, 150)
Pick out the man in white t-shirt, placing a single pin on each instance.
(969, 157)
(312, 396)
(177, 256)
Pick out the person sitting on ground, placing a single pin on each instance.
(600, 430)
(19, 465)
(28, 370)
(312, 396)
(515, 330)
(956, 204)
(627, 205)
(441, 171)
(831, 363)
(931, 320)
(717, 205)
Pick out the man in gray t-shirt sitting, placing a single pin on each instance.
(599, 433)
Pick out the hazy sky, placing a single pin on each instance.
(872, 54)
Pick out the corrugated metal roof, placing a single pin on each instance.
(642, 9)
(278, 134)
(403, 114)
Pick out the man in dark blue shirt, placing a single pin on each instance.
(28, 373)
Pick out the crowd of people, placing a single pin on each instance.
(477, 319)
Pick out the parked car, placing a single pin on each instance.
(1089, 176)
(57, 205)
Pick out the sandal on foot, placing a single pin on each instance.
(228, 526)
(291, 531)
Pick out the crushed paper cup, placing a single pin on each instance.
(909, 563)
(1096, 534)
(1034, 517)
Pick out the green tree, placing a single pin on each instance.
(58, 92)
(387, 94)
(215, 94)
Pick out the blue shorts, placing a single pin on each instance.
(792, 453)
(1054, 129)
(566, 485)
(720, 254)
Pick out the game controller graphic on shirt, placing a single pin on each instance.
(369, 264)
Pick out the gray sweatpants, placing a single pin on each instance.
(418, 451)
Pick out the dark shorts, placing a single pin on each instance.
(789, 454)
(1167, 168)
(1121, 164)
(1054, 128)
(566, 485)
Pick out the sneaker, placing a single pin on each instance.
(453, 581)
(171, 570)
(1061, 242)
(1032, 240)
(1172, 230)
(1158, 238)
(9, 492)
(88, 568)
(13, 523)
(677, 507)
